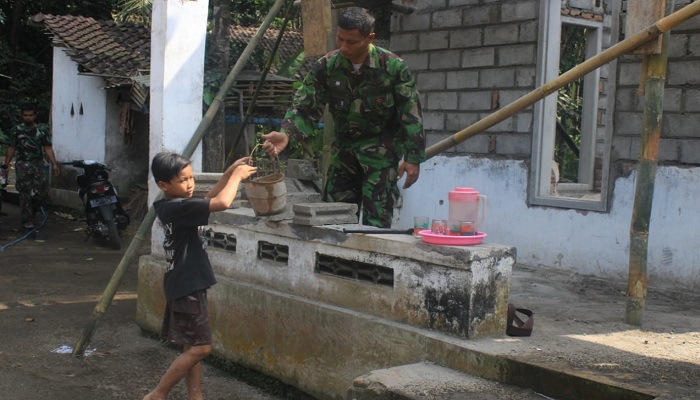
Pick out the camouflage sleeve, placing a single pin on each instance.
(12, 137)
(45, 135)
(308, 104)
(409, 114)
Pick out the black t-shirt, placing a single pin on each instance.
(185, 250)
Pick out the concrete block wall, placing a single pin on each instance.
(470, 58)
(322, 307)
(680, 137)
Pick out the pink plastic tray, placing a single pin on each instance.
(429, 237)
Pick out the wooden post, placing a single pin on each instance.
(646, 175)
(316, 17)
(640, 14)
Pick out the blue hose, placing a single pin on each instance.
(26, 235)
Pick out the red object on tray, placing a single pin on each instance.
(449, 240)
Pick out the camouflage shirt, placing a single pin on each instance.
(377, 104)
(29, 142)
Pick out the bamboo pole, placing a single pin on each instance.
(646, 175)
(144, 228)
(661, 26)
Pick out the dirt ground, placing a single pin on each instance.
(49, 290)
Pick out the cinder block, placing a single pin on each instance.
(314, 214)
(446, 19)
(500, 34)
(302, 169)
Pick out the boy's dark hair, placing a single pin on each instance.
(167, 165)
(357, 18)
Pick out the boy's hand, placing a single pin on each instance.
(243, 171)
(242, 161)
(236, 164)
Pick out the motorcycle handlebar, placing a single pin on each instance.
(85, 163)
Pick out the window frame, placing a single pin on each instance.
(545, 111)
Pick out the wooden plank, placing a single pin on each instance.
(317, 20)
(641, 14)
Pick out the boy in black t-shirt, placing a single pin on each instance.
(189, 273)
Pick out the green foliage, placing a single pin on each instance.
(134, 11)
(570, 102)
(26, 53)
(290, 67)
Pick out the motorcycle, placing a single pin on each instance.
(104, 214)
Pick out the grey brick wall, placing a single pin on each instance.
(471, 57)
(481, 55)
(680, 130)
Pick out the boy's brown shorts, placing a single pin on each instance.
(186, 320)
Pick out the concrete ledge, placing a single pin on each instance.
(428, 381)
(322, 349)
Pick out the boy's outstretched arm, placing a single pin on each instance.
(223, 193)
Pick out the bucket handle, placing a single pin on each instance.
(273, 159)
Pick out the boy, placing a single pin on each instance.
(189, 273)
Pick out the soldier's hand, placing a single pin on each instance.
(412, 172)
(275, 142)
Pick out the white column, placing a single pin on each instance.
(178, 31)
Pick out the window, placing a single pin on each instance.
(570, 140)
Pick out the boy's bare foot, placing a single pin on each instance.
(150, 396)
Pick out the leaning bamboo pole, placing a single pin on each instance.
(661, 26)
(655, 79)
(145, 227)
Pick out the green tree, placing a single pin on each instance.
(26, 54)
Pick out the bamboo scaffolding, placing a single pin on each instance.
(661, 26)
(655, 78)
(144, 228)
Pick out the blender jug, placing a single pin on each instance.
(464, 206)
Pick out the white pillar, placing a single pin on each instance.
(178, 31)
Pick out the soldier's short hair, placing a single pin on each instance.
(27, 107)
(357, 18)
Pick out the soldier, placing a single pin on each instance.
(377, 118)
(30, 142)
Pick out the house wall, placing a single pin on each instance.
(471, 57)
(93, 133)
(77, 135)
(126, 153)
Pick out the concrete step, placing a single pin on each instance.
(428, 381)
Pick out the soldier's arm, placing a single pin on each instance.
(410, 115)
(308, 105)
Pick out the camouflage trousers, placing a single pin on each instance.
(367, 179)
(32, 187)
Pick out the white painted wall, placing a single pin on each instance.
(178, 33)
(77, 136)
(583, 242)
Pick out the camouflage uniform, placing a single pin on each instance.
(30, 182)
(377, 119)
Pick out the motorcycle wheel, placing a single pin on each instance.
(114, 240)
